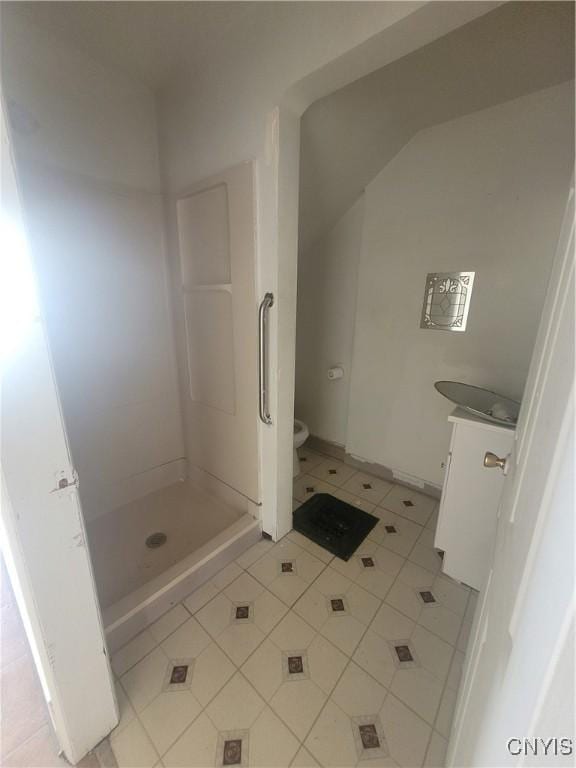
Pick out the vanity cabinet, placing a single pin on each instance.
(470, 500)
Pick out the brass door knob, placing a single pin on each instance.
(491, 461)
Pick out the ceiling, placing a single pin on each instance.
(146, 40)
(350, 135)
(155, 41)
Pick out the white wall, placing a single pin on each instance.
(485, 193)
(86, 118)
(87, 154)
(351, 134)
(327, 277)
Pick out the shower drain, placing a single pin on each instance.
(156, 540)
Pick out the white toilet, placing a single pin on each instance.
(301, 434)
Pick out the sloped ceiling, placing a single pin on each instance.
(350, 135)
(155, 41)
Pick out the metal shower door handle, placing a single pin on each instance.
(265, 305)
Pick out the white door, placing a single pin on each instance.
(41, 526)
(218, 327)
(518, 680)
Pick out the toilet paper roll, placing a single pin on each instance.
(335, 373)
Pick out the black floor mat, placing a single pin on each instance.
(333, 524)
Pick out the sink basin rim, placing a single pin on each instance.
(498, 398)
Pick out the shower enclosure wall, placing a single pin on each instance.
(106, 297)
(111, 292)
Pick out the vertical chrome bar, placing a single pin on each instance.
(265, 305)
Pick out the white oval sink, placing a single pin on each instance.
(481, 402)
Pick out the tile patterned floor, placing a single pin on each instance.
(289, 657)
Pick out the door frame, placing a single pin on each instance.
(42, 533)
(277, 184)
(549, 688)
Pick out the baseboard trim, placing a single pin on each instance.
(337, 451)
(334, 450)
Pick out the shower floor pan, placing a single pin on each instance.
(150, 554)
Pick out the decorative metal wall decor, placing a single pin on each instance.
(447, 301)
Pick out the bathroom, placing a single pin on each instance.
(442, 193)
(180, 382)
